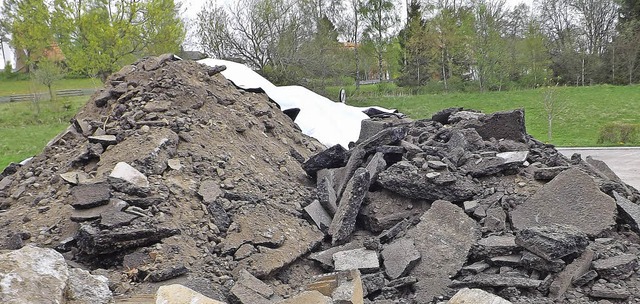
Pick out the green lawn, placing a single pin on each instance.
(23, 133)
(13, 87)
(583, 111)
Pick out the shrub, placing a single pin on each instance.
(619, 133)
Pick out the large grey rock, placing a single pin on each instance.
(617, 267)
(33, 275)
(400, 257)
(572, 198)
(476, 296)
(87, 288)
(383, 209)
(499, 163)
(548, 173)
(443, 237)
(344, 220)
(113, 205)
(359, 258)
(552, 242)
(605, 292)
(333, 157)
(406, 179)
(376, 165)
(532, 261)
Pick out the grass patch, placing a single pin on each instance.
(583, 112)
(15, 87)
(23, 133)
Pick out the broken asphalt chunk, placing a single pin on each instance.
(552, 242)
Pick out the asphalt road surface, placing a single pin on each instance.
(625, 162)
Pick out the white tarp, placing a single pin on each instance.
(329, 122)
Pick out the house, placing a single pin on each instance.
(53, 52)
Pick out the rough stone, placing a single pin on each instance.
(443, 237)
(248, 290)
(585, 278)
(83, 287)
(91, 195)
(503, 125)
(93, 241)
(104, 140)
(209, 190)
(376, 165)
(474, 268)
(72, 177)
(533, 261)
(552, 242)
(628, 211)
(476, 296)
(33, 275)
(359, 258)
(318, 215)
(496, 219)
(325, 258)
(326, 193)
(383, 209)
(167, 273)
(406, 179)
(349, 291)
(344, 221)
(114, 219)
(178, 294)
(218, 215)
(494, 245)
(572, 198)
(617, 267)
(603, 292)
(548, 173)
(372, 283)
(125, 172)
(400, 257)
(82, 215)
(563, 280)
(397, 229)
(334, 157)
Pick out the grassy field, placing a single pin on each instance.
(23, 133)
(583, 112)
(13, 87)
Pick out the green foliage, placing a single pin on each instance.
(47, 73)
(99, 36)
(29, 24)
(619, 133)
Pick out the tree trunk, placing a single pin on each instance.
(51, 96)
(549, 124)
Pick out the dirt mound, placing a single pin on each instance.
(172, 175)
(209, 156)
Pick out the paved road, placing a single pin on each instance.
(625, 162)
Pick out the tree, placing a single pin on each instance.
(489, 46)
(47, 73)
(380, 16)
(28, 22)
(99, 36)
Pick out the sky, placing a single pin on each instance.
(191, 9)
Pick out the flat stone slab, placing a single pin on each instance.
(103, 139)
(383, 209)
(91, 195)
(443, 237)
(360, 258)
(325, 258)
(617, 267)
(553, 241)
(400, 257)
(574, 270)
(129, 174)
(628, 211)
(344, 221)
(571, 198)
(496, 280)
(494, 245)
(318, 215)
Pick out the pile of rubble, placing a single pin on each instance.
(171, 175)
